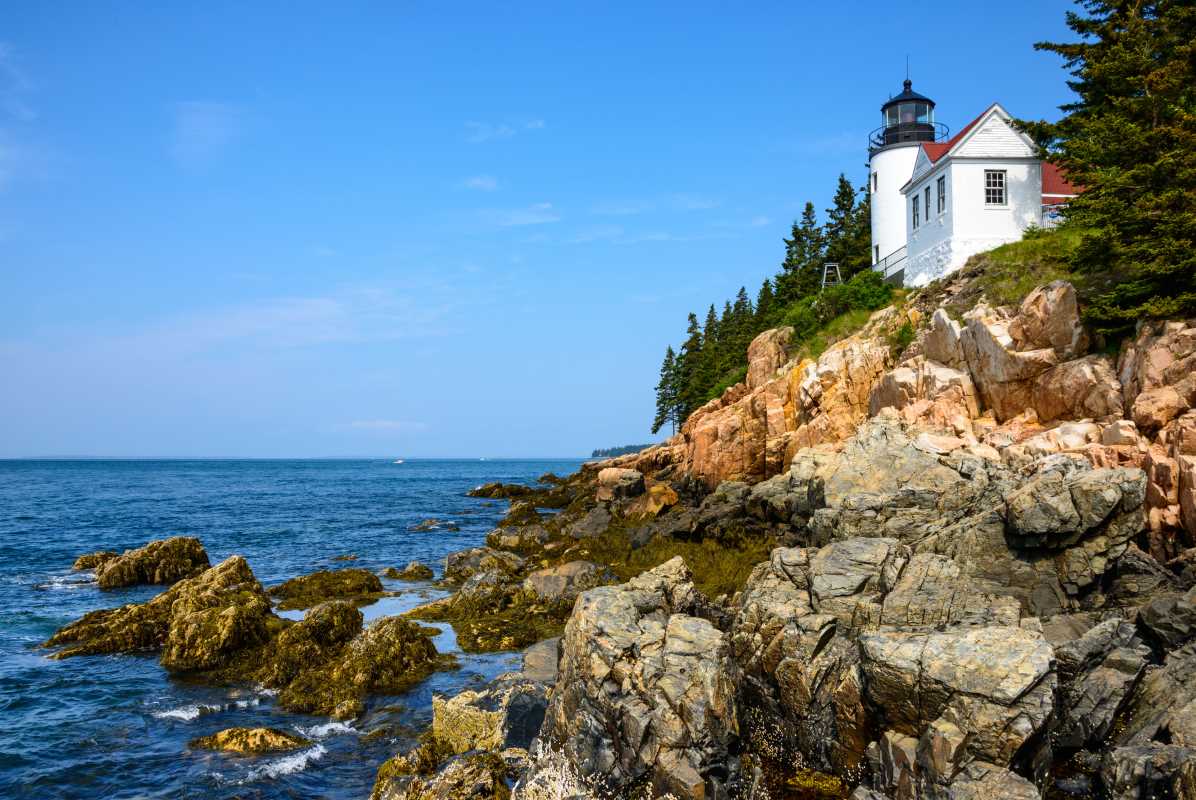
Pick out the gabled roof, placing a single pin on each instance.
(936, 150)
(1054, 184)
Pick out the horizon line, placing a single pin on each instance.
(292, 458)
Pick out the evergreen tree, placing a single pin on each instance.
(710, 331)
(666, 393)
(692, 372)
(1130, 139)
(800, 271)
(764, 304)
(847, 232)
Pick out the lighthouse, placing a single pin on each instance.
(907, 121)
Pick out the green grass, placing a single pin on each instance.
(838, 328)
(1011, 271)
(720, 566)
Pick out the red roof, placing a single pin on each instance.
(936, 150)
(1054, 184)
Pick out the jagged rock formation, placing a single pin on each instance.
(309, 590)
(414, 571)
(161, 562)
(642, 693)
(219, 625)
(94, 560)
(1008, 384)
(250, 741)
(220, 611)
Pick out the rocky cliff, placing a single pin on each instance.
(958, 568)
(953, 566)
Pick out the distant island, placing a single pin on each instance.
(611, 452)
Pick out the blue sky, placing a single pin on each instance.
(424, 229)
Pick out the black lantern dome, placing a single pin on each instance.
(908, 117)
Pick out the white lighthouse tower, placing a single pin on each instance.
(907, 121)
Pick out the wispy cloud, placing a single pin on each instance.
(535, 214)
(15, 87)
(481, 183)
(835, 144)
(478, 132)
(383, 426)
(202, 131)
(760, 221)
(677, 201)
(620, 209)
(350, 315)
(693, 202)
(597, 233)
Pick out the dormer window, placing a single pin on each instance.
(994, 187)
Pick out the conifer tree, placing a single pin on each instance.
(847, 232)
(1130, 140)
(691, 371)
(666, 393)
(764, 304)
(803, 258)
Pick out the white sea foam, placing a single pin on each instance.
(326, 730)
(194, 711)
(296, 762)
(186, 713)
(65, 582)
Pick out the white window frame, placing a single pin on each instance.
(914, 206)
(941, 188)
(875, 181)
(927, 202)
(996, 184)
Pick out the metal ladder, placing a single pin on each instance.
(830, 275)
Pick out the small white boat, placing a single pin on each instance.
(397, 461)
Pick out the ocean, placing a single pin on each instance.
(118, 726)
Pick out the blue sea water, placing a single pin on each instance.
(118, 726)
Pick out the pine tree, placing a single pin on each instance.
(1130, 139)
(710, 331)
(691, 371)
(764, 304)
(800, 271)
(666, 393)
(847, 231)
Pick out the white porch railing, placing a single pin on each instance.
(893, 263)
(1052, 215)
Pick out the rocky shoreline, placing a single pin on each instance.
(963, 569)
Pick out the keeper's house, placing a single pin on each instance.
(936, 201)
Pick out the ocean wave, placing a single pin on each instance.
(296, 762)
(66, 582)
(326, 730)
(196, 710)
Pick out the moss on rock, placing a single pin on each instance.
(414, 571)
(250, 741)
(94, 560)
(163, 562)
(388, 658)
(326, 584)
(199, 623)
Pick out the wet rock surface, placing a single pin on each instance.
(162, 562)
(250, 741)
(414, 571)
(643, 693)
(309, 590)
(94, 560)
